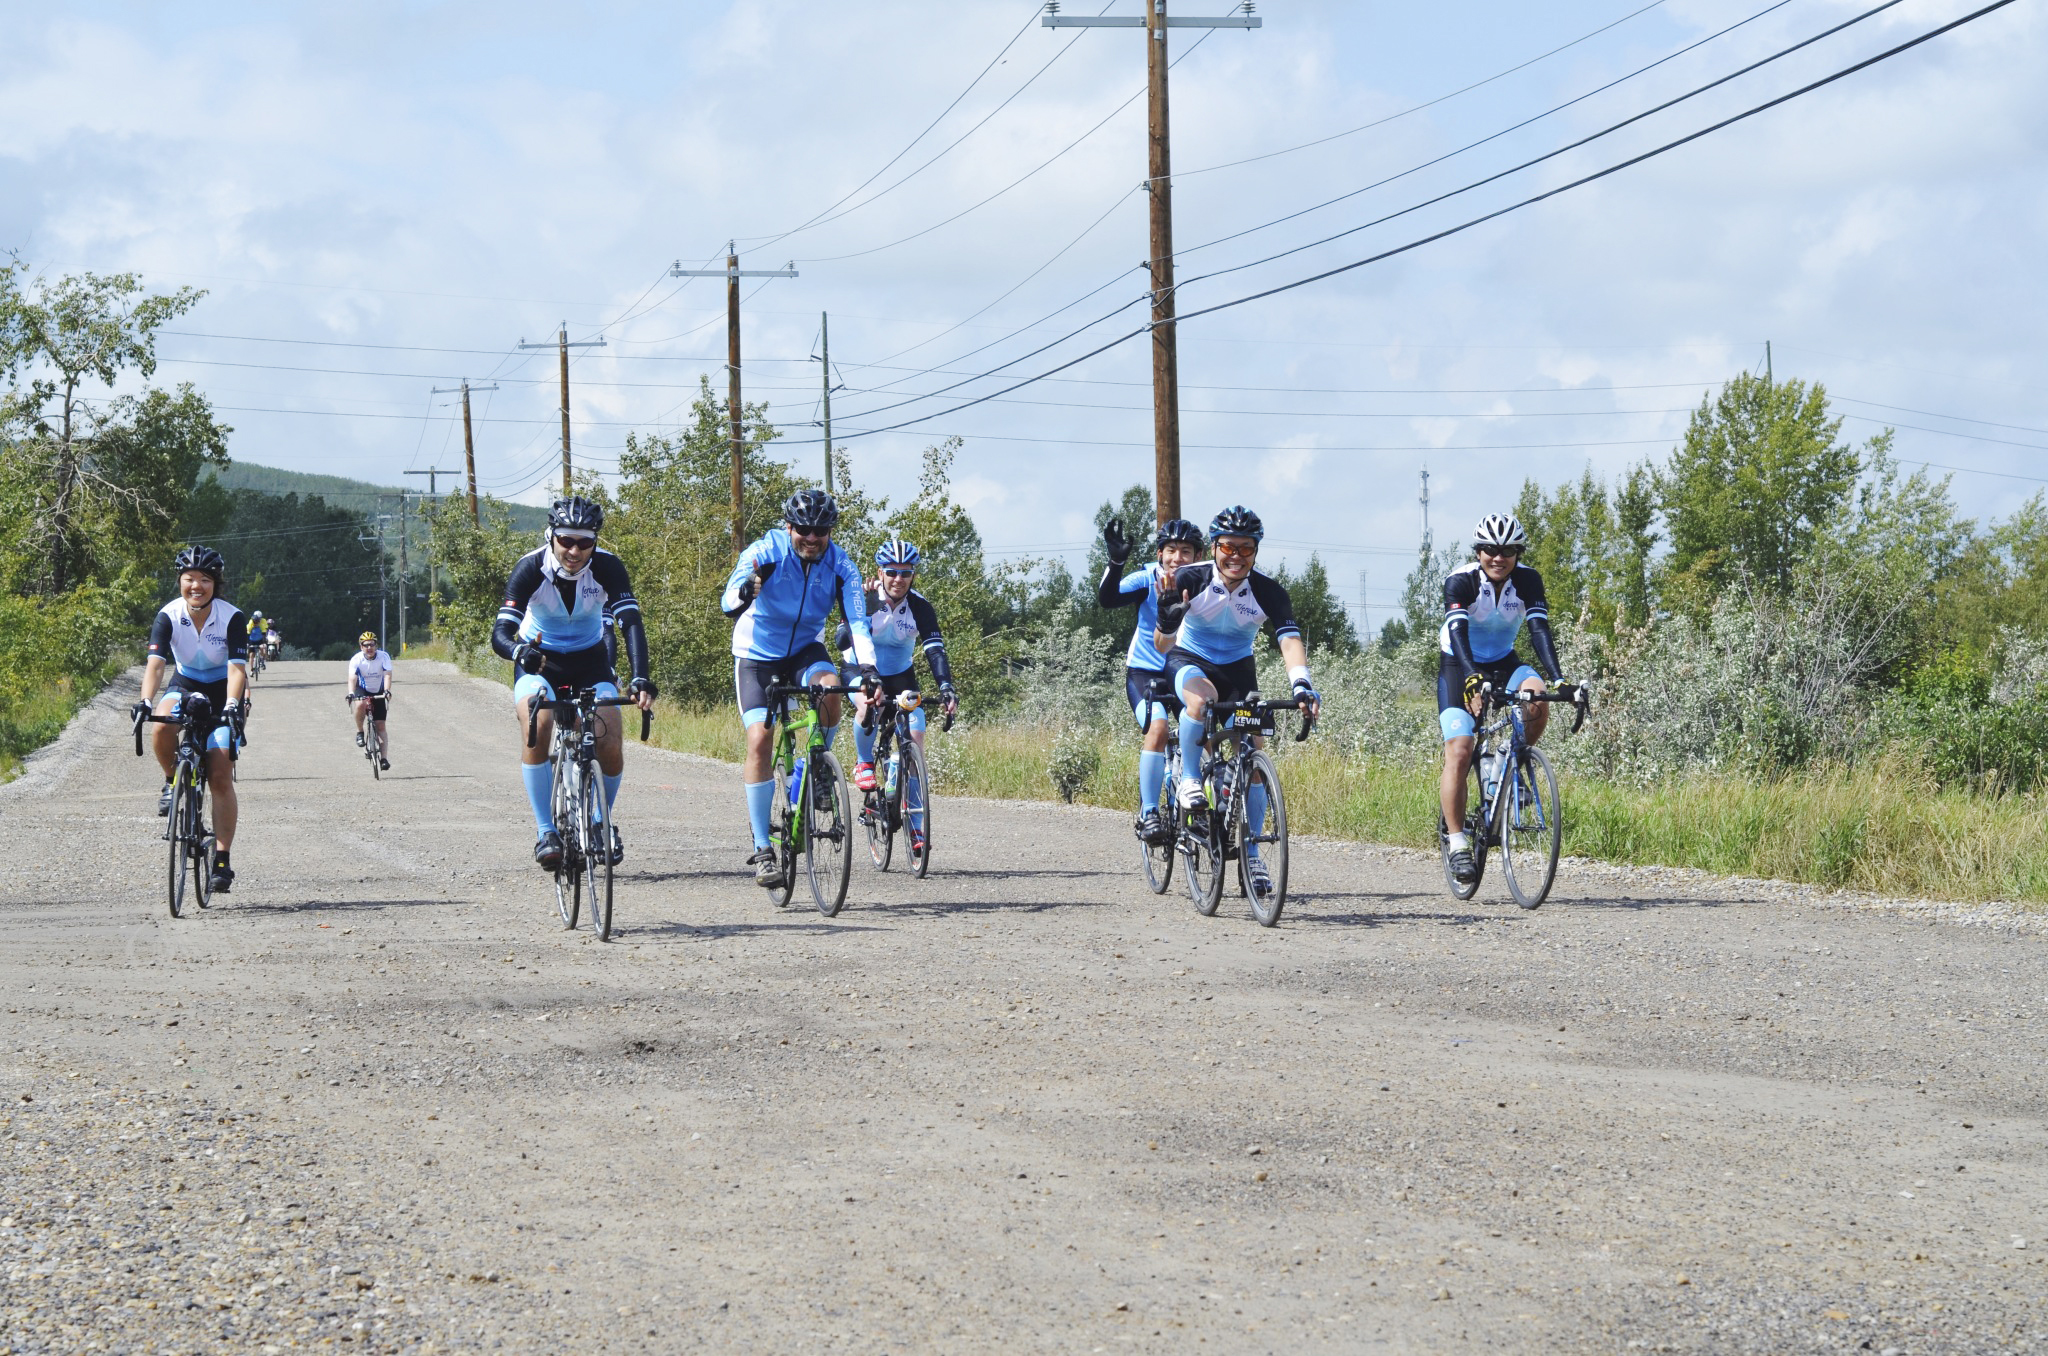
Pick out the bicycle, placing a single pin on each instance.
(256, 662)
(1211, 837)
(1520, 816)
(185, 830)
(1157, 858)
(902, 797)
(581, 816)
(812, 812)
(373, 741)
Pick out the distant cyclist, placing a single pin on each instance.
(780, 597)
(552, 624)
(1209, 615)
(273, 639)
(202, 640)
(259, 633)
(1485, 603)
(1178, 542)
(902, 622)
(369, 687)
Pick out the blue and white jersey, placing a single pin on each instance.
(1141, 588)
(201, 654)
(1491, 615)
(561, 613)
(776, 616)
(1222, 622)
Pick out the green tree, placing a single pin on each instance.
(1758, 478)
(302, 560)
(475, 560)
(1133, 509)
(1324, 622)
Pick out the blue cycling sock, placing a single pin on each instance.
(540, 787)
(611, 791)
(864, 743)
(1151, 777)
(760, 796)
(1190, 747)
(913, 794)
(1255, 815)
(831, 733)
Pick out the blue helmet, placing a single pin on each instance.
(898, 553)
(1237, 521)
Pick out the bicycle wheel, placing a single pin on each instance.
(1531, 830)
(879, 816)
(1202, 843)
(174, 832)
(1475, 832)
(595, 834)
(1269, 835)
(568, 884)
(202, 868)
(914, 794)
(828, 836)
(786, 820)
(373, 750)
(1158, 857)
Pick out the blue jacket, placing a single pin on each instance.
(789, 609)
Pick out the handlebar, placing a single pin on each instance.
(1308, 722)
(1575, 693)
(575, 706)
(182, 716)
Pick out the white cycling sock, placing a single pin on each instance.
(1458, 842)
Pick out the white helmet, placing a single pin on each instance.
(1500, 529)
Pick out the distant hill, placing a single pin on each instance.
(343, 492)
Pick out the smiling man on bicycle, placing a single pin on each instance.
(1209, 615)
(1485, 604)
(203, 640)
(369, 691)
(1178, 542)
(558, 603)
(780, 597)
(902, 621)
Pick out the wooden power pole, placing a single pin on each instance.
(825, 347)
(735, 411)
(468, 443)
(563, 343)
(1159, 183)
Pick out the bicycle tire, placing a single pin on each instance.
(1531, 830)
(175, 833)
(914, 773)
(785, 820)
(1475, 832)
(828, 850)
(202, 869)
(568, 884)
(594, 830)
(373, 750)
(1157, 858)
(879, 815)
(1204, 851)
(1271, 835)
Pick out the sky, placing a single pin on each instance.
(381, 199)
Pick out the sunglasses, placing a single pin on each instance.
(1498, 551)
(1237, 550)
(575, 543)
(899, 574)
(796, 531)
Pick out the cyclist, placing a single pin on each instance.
(1485, 603)
(203, 640)
(369, 687)
(273, 639)
(780, 596)
(1178, 542)
(901, 620)
(558, 603)
(258, 634)
(1209, 615)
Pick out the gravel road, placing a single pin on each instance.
(377, 1097)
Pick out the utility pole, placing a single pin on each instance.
(383, 584)
(1770, 377)
(1159, 184)
(825, 345)
(433, 475)
(403, 571)
(732, 273)
(468, 442)
(1427, 545)
(564, 344)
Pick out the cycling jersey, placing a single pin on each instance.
(571, 612)
(200, 654)
(1140, 588)
(368, 675)
(1482, 619)
(899, 631)
(1221, 622)
(777, 616)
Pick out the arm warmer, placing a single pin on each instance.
(1546, 648)
(1109, 590)
(634, 634)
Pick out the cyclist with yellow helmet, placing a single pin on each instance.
(369, 690)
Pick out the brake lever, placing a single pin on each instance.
(646, 724)
(1581, 704)
(140, 721)
(532, 723)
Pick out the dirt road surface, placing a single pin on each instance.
(377, 1098)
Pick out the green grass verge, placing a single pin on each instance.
(1881, 829)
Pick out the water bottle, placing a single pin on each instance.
(889, 772)
(1489, 763)
(796, 779)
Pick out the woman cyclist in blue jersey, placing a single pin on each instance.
(1177, 543)
(1486, 601)
(1209, 615)
(558, 605)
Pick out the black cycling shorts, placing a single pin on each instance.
(751, 678)
(1151, 695)
(1231, 681)
(377, 704)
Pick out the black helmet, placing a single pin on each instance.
(811, 508)
(1176, 529)
(1237, 521)
(202, 558)
(575, 514)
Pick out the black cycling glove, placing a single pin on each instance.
(528, 658)
(1114, 541)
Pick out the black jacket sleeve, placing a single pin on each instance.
(519, 588)
(1272, 599)
(927, 618)
(1109, 590)
(1461, 590)
(238, 637)
(1529, 586)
